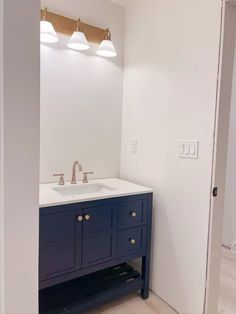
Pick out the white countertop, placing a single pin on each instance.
(116, 188)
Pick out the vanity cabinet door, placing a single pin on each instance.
(60, 242)
(57, 226)
(99, 234)
(97, 250)
(57, 259)
(98, 220)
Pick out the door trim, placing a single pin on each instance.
(2, 306)
(220, 149)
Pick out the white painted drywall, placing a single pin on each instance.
(21, 154)
(171, 61)
(229, 234)
(1, 167)
(81, 96)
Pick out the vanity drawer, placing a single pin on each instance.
(132, 214)
(131, 241)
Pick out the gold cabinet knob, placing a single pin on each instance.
(132, 241)
(80, 218)
(133, 214)
(87, 217)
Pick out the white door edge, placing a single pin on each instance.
(2, 307)
(222, 114)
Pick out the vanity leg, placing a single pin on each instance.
(147, 258)
(145, 277)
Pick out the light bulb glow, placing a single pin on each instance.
(107, 49)
(78, 41)
(47, 33)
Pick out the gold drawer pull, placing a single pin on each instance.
(132, 241)
(87, 217)
(80, 218)
(133, 214)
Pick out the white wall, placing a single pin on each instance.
(81, 96)
(229, 234)
(1, 166)
(171, 60)
(21, 154)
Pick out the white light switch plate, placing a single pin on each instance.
(188, 149)
(133, 145)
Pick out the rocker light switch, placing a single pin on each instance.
(133, 146)
(188, 149)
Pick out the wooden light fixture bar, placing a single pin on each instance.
(65, 25)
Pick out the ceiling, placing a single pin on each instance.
(123, 3)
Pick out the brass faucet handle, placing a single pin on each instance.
(61, 176)
(85, 180)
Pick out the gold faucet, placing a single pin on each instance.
(75, 164)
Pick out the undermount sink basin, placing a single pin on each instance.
(70, 190)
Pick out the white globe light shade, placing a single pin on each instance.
(47, 33)
(107, 49)
(78, 41)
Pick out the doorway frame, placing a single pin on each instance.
(19, 155)
(219, 163)
(216, 217)
(2, 305)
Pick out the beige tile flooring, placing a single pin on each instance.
(133, 304)
(227, 300)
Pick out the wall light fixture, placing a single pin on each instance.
(106, 48)
(78, 39)
(47, 31)
(81, 34)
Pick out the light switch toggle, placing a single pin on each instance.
(188, 149)
(133, 145)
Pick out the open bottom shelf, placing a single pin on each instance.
(89, 292)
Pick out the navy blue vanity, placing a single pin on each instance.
(85, 250)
